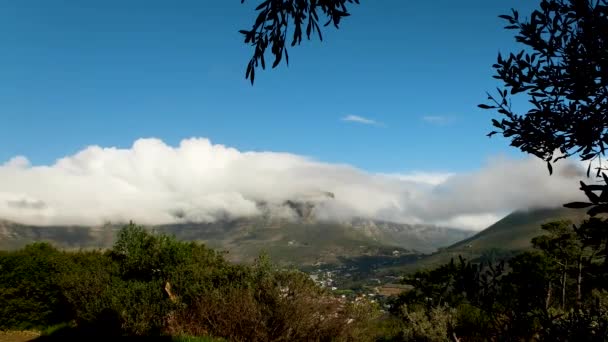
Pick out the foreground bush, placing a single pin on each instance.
(128, 290)
(30, 296)
(433, 324)
(154, 285)
(275, 306)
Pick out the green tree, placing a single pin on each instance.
(524, 292)
(562, 246)
(133, 288)
(593, 235)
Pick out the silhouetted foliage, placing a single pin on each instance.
(278, 19)
(597, 203)
(563, 72)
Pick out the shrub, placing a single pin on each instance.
(86, 280)
(431, 325)
(29, 294)
(152, 285)
(271, 305)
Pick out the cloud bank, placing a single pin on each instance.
(197, 181)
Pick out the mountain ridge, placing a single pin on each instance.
(510, 235)
(304, 240)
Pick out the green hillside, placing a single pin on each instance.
(507, 236)
(309, 243)
(301, 242)
(285, 242)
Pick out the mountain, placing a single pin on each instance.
(300, 241)
(284, 240)
(510, 235)
(419, 237)
(14, 235)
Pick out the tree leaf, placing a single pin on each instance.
(598, 209)
(577, 205)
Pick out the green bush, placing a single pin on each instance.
(30, 296)
(154, 285)
(272, 305)
(474, 324)
(122, 292)
(430, 325)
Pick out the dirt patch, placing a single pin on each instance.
(393, 289)
(18, 336)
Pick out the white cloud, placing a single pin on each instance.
(474, 222)
(17, 162)
(360, 119)
(153, 183)
(431, 178)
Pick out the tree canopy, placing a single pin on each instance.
(563, 72)
(277, 19)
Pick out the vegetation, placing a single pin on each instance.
(563, 73)
(299, 243)
(555, 293)
(511, 235)
(154, 285)
(29, 295)
(276, 18)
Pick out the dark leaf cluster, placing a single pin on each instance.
(597, 195)
(280, 20)
(563, 71)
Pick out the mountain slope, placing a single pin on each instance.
(420, 237)
(14, 236)
(299, 242)
(511, 234)
(285, 241)
(515, 231)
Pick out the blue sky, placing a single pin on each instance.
(77, 73)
